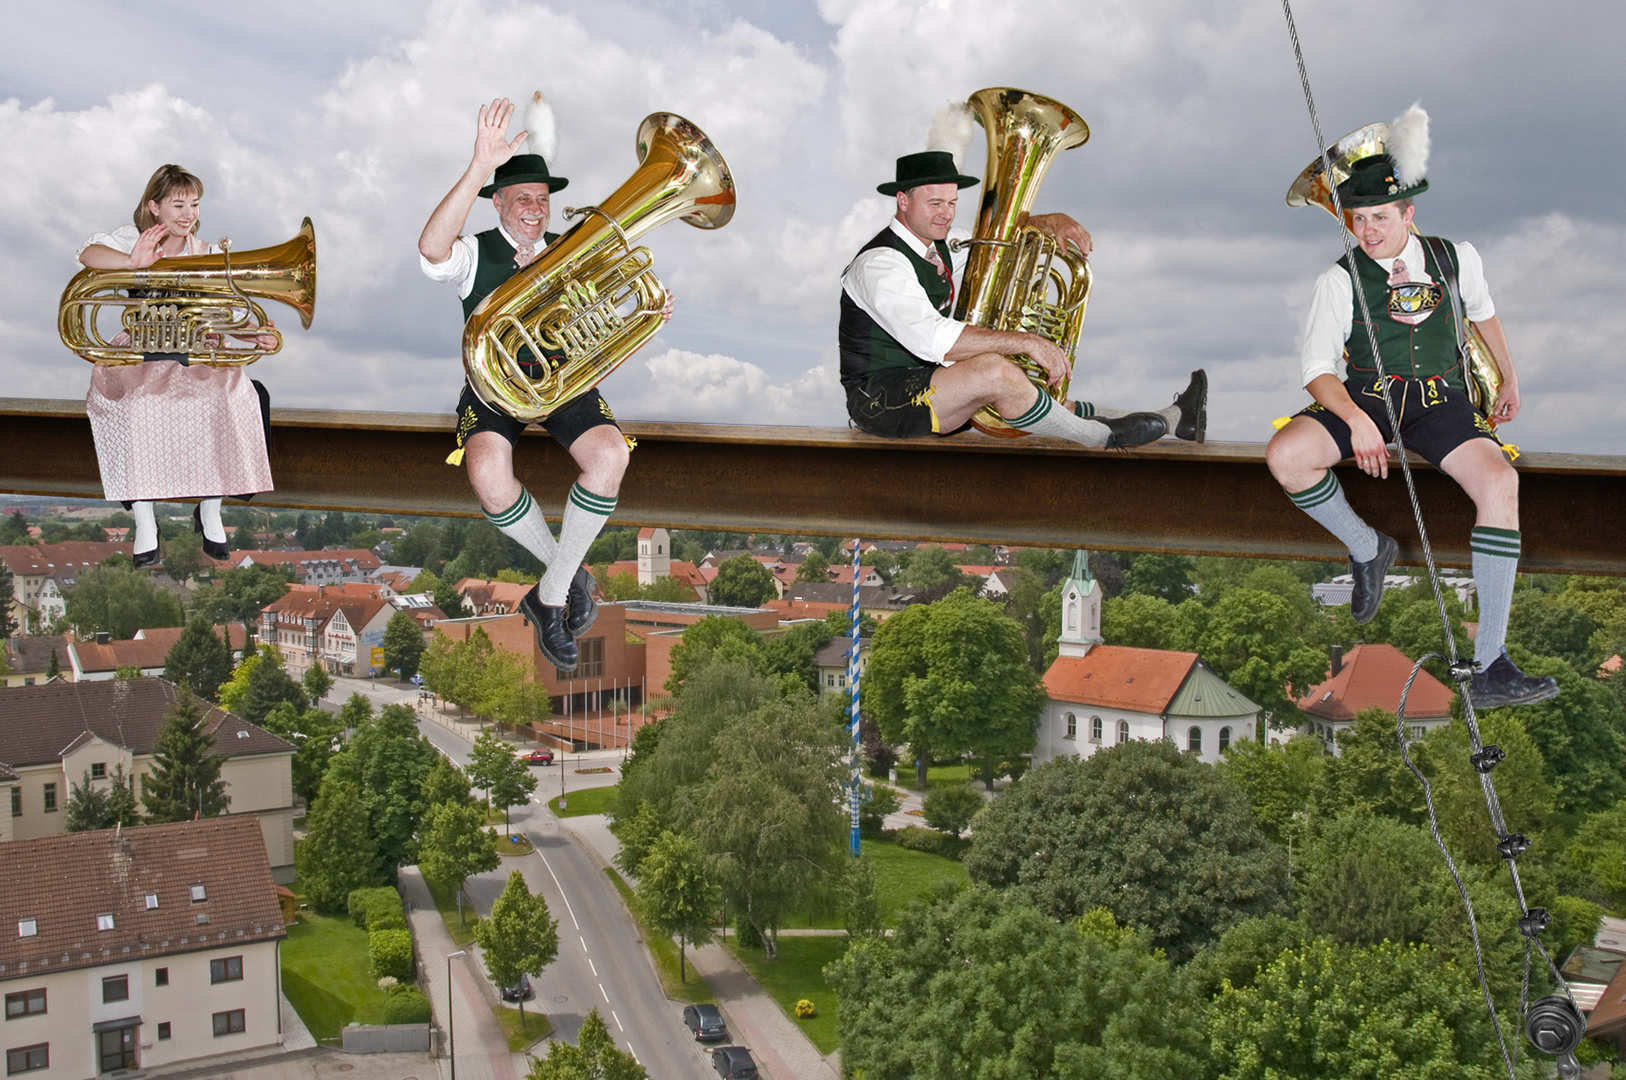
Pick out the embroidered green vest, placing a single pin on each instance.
(1426, 349)
(866, 347)
(493, 265)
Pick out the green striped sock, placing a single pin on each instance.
(1045, 419)
(1324, 501)
(585, 515)
(1495, 566)
(524, 524)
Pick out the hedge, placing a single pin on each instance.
(377, 908)
(391, 953)
(406, 1005)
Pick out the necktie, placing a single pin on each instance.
(1397, 273)
(942, 271)
(524, 255)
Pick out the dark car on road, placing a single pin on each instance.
(706, 1021)
(733, 1062)
(520, 991)
(539, 757)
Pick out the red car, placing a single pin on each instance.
(539, 757)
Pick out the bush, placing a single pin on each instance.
(951, 809)
(406, 1005)
(806, 1010)
(919, 838)
(390, 952)
(748, 936)
(377, 908)
(872, 812)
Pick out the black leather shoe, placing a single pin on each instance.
(212, 548)
(1369, 575)
(1504, 684)
(1135, 429)
(580, 604)
(144, 559)
(1193, 403)
(552, 637)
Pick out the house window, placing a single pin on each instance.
(229, 1023)
(27, 927)
(16, 802)
(104, 921)
(28, 1058)
(163, 1031)
(591, 653)
(1194, 740)
(1072, 727)
(115, 988)
(26, 1003)
(199, 895)
(1095, 729)
(98, 770)
(161, 977)
(226, 969)
(1225, 739)
(1123, 731)
(50, 798)
(152, 901)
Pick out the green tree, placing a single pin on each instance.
(438, 665)
(931, 569)
(338, 853)
(1598, 852)
(519, 937)
(714, 638)
(489, 758)
(1149, 833)
(951, 678)
(456, 845)
(87, 806)
(199, 660)
(120, 602)
(950, 809)
(742, 582)
(269, 685)
(231, 692)
(445, 783)
(674, 895)
(1581, 733)
(872, 812)
(1165, 576)
(316, 682)
(594, 1057)
(1280, 780)
(1137, 620)
(387, 759)
(857, 901)
(185, 777)
(815, 567)
(1525, 796)
(183, 556)
(242, 593)
(1255, 642)
(122, 807)
(1368, 774)
(1369, 879)
(637, 833)
(403, 644)
(314, 734)
(667, 590)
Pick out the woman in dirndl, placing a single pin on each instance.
(167, 429)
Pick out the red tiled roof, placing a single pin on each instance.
(27, 560)
(365, 560)
(1119, 677)
(803, 609)
(1375, 675)
(64, 883)
(1608, 1017)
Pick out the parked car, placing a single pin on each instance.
(733, 1062)
(520, 991)
(539, 757)
(705, 1021)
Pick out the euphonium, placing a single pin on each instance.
(1013, 278)
(591, 296)
(200, 305)
(1314, 185)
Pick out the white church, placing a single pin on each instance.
(1105, 694)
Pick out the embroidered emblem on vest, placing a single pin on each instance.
(1414, 301)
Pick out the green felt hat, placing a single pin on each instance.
(523, 169)
(926, 167)
(1372, 182)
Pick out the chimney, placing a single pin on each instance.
(1336, 654)
(103, 637)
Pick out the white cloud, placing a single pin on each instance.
(678, 385)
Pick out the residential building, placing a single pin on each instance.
(316, 567)
(295, 623)
(134, 949)
(831, 662)
(880, 602)
(353, 640)
(147, 652)
(484, 597)
(1101, 695)
(1337, 591)
(42, 573)
(1373, 676)
(55, 735)
(29, 659)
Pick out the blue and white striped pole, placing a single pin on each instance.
(856, 795)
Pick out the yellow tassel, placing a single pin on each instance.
(455, 457)
(1511, 451)
(632, 444)
(1281, 422)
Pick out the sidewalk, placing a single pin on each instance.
(756, 1021)
(482, 1050)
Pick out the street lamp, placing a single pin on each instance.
(451, 1032)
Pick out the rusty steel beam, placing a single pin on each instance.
(1216, 499)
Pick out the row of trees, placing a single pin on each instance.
(184, 781)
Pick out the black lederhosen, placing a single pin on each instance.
(895, 404)
(566, 424)
(1435, 418)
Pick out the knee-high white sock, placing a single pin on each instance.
(524, 524)
(146, 526)
(209, 514)
(585, 515)
(1091, 411)
(1495, 565)
(1044, 418)
(1324, 501)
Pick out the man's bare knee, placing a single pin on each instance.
(602, 454)
(489, 459)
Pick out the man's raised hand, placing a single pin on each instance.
(491, 145)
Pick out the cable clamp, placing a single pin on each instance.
(1513, 845)
(1534, 922)
(1487, 759)
(1464, 670)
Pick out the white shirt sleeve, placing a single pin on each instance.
(1476, 299)
(122, 239)
(459, 267)
(882, 282)
(1328, 325)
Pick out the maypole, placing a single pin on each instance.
(856, 784)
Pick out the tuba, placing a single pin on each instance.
(1014, 276)
(591, 299)
(1315, 184)
(195, 305)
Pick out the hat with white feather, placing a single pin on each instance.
(939, 163)
(1398, 173)
(531, 167)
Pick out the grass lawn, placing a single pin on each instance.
(901, 875)
(446, 903)
(666, 956)
(797, 974)
(325, 974)
(937, 776)
(536, 1026)
(517, 844)
(593, 800)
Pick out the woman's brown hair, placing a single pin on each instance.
(165, 182)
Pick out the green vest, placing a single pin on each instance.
(865, 346)
(493, 265)
(1429, 348)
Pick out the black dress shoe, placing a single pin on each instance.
(215, 549)
(580, 604)
(144, 559)
(1193, 403)
(1504, 684)
(1135, 429)
(552, 637)
(1369, 575)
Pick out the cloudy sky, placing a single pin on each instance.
(360, 115)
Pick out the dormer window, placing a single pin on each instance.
(104, 921)
(152, 901)
(198, 894)
(27, 927)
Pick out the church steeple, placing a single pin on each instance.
(1080, 609)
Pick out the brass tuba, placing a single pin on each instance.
(1013, 277)
(1314, 185)
(196, 305)
(591, 296)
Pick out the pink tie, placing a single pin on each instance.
(937, 260)
(524, 255)
(1397, 273)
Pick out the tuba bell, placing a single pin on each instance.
(1315, 184)
(196, 305)
(591, 299)
(1014, 276)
